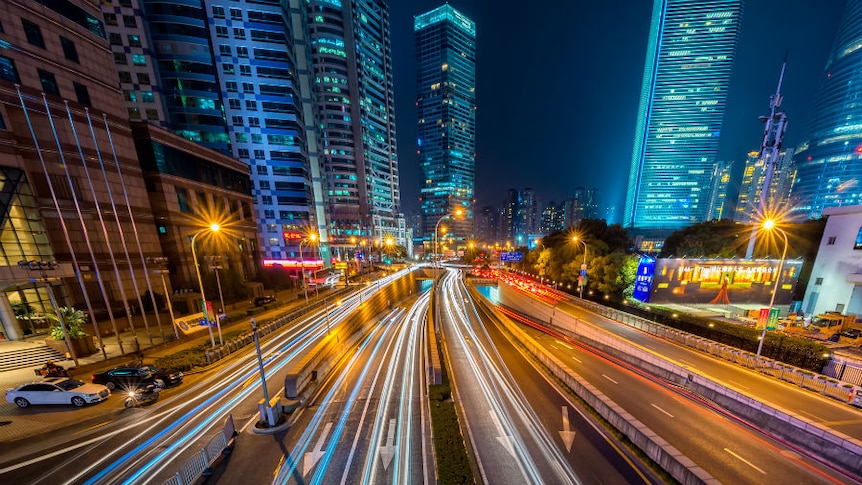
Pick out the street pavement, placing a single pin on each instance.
(16, 423)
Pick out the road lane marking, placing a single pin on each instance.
(660, 409)
(608, 378)
(686, 363)
(565, 345)
(579, 361)
(94, 427)
(818, 418)
(553, 346)
(738, 384)
(744, 461)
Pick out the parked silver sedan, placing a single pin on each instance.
(57, 390)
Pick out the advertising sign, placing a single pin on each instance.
(292, 236)
(643, 280)
(190, 323)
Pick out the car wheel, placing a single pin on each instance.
(22, 403)
(110, 385)
(129, 402)
(78, 401)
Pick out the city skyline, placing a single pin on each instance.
(591, 121)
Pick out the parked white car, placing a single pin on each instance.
(57, 390)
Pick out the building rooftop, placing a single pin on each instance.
(444, 13)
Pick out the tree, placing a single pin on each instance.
(73, 319)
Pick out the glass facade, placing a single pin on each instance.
(446, 102)
(828, 160)
(692, 45)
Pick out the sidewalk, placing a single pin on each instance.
(286, 301)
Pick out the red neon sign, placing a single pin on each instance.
(292, 236)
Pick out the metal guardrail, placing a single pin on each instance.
(200, 463)
(238, 342)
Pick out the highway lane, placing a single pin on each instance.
(368, 424)
(725, 448)
(150, 444)
(522, 428)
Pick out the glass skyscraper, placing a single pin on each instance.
(692, 44)
(828, 160)
(351, 49)
(446, 102)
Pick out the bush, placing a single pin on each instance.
(73, 319)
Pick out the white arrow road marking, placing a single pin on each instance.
(388, 451)
(567, 434)
(503, 438)
(312, 457)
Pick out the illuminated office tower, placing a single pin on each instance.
(753, 178)
(692, 45)
(828, 160)
(718, 195)
(356, 106)
(446, 104)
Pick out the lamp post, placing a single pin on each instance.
(434, 258)
(217, 267)
(214, 228)
(583, 266)
(311, 237)
(162, 272)
(769, 225)
(265, 416)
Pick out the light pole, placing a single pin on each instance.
(583, 266)
(217, 267)
(264, 415)
(311, 237)
(769, 225)
(434, 258)
(214, 228)
(162, 272)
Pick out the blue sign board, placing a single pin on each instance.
(511, 257)
(643, 281)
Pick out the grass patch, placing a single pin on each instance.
(450, 451)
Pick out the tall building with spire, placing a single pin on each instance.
(351, 51)
(690, 53)
(446, 103)
(828, 160)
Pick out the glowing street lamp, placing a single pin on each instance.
(583, 281)
(311, 238)
(769, 225)
(214, 228)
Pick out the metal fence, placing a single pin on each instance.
(200, 463)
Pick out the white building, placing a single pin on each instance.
(836, 279)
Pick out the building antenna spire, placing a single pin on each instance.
(773, 136)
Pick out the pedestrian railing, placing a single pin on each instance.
(201, 462)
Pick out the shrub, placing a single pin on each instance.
(73, 319)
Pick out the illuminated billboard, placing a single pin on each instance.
(723, 281)
(643, 280)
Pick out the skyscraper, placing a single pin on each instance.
(446, 102)
(692, 44)
(355, 100)
(236, 78)
(718, 194)
(751, 187)
(828, 160)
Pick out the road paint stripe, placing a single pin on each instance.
(744, 461)
(818, 418)
(608, 378)
(565, 345)
(579, 361)
(738, 384)
(94, 427)
(660, 409)
(553, 346)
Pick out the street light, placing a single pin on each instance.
(265, 416)
(769, 225)
(214, 228)
(457, 212)
(162, 272)
(311, 237)
(583, 281)
(216, 267)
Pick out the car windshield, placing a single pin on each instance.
(70, 384)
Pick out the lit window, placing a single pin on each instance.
(139, 59)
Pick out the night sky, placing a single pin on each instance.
(558, 83)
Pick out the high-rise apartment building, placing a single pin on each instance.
(446, 103)
(236, 78)
(751, 187)
(828, 160)
(691, 48)
(529, 212)
(553, 218)
(351, 50)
